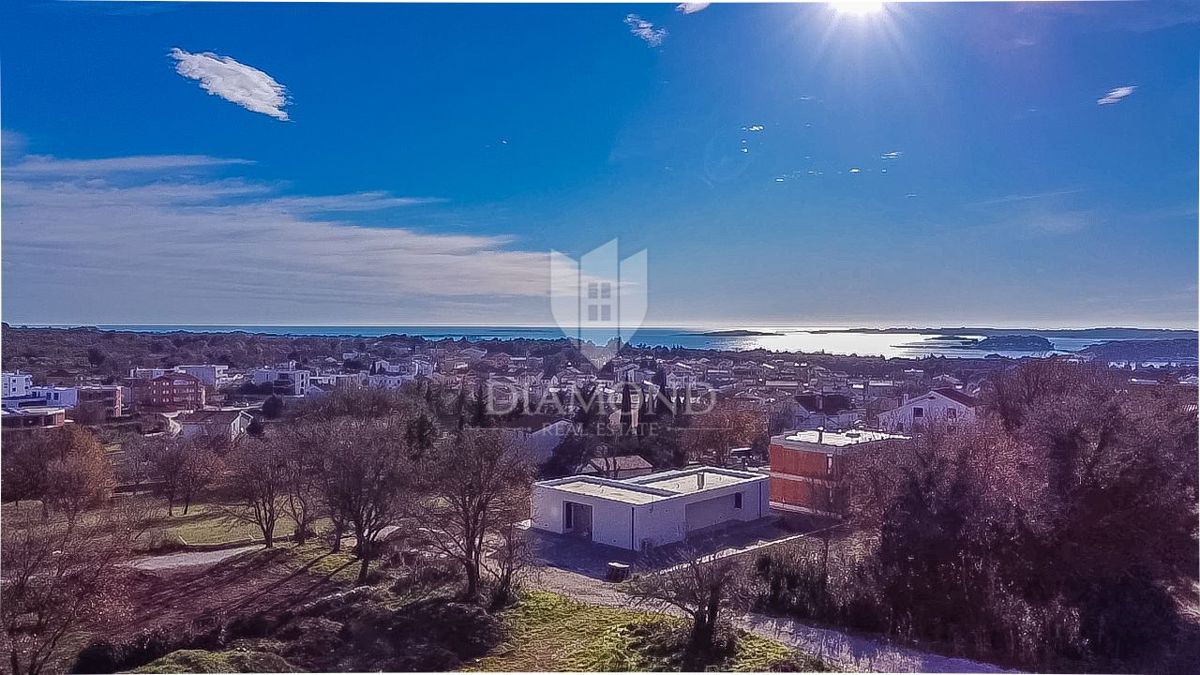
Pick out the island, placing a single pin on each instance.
(1015, 343)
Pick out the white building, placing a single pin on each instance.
(286, 379)
(944, 405)
(652, 510)
(60, 397)
(226, 425)
(17, 384)
(412, 367)
(147, 373)
(210, 374)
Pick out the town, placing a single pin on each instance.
(806, 336)
(602, 480)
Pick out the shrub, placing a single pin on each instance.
(100, 656)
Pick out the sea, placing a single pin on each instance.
(838, 341)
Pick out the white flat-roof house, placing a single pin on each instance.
(651, 510)
(61, 397)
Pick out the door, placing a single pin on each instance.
(577, 519)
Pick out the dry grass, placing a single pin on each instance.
(549, 632)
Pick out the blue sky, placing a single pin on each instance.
(781, 164)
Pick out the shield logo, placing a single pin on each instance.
(598, 301)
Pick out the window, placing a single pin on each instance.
(829, 465)
(593, 290)
(918, 412)
(737, 500)
(568, 516)
(951, 413)
(606, 290)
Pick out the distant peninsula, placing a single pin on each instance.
(1102, 334)
(740, 333)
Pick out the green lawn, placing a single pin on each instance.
(204, 523)
(208, 523)
(548, 632)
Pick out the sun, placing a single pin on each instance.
(857, 7)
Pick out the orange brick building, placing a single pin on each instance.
(808, 467)
(172, 391)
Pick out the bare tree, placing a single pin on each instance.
(78, 482)
(480, 481)
(258, 476)
(180, 467)
(59, 583)
(300, 446)
(699, 586)
(367, 479)
(509, 563)
(718, 431)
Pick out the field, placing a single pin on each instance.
(548, 632)
(206, 523)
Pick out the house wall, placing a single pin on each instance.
(709, 512)
(933, 406)
(801, 463)
(612, 522)
(546, 509)
(806, 493)
(667, 521)
(67, 397)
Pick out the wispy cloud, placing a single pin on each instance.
(1116, 95)
(645, 30)
(895, 154)
(691, 7)
(1067, 222)
(46, 165)
(236, 82)
(1029, 197)
(186, 245)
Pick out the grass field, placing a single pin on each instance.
(205, 522)
(549, 632)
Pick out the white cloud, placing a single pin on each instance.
(692, 7)
(45, 165)
(1116, 95)
(895, 154)
(754, 128)
(182, 247)
(645, 30)
(235, 82)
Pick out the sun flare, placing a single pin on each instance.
(857, 7)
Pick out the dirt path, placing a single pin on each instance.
(171, 561)
(176, 560)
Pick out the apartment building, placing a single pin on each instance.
(808, 467)
(170, 391)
